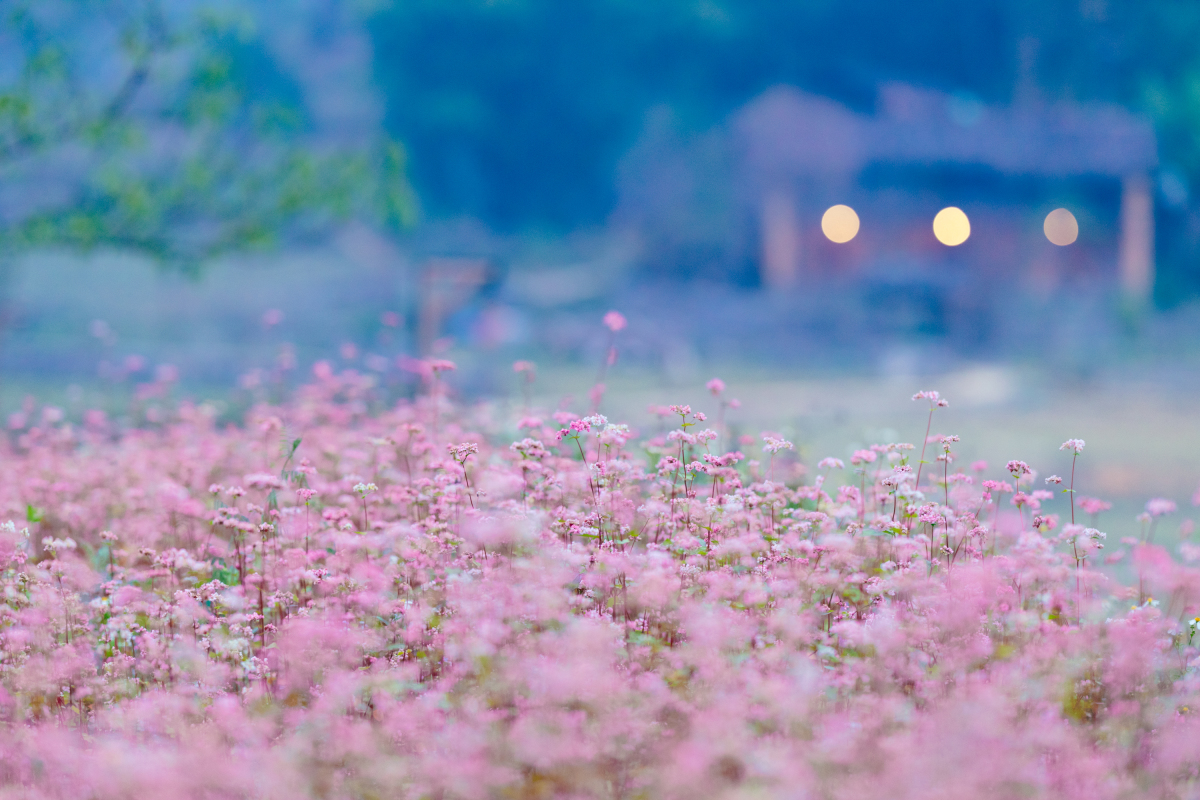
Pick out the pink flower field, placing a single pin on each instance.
(339, 599)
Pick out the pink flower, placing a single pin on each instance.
(773, 444)
(629, 614)
(460, 452)
(1091, 505)
(322, 370)
(614, 321)
(716, 386)
(1160, 506)
(933, 514)
(1018, 468)
(933, 397)
(863, 457)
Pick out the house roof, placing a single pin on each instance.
(785, 131)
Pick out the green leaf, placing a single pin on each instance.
(225, 575)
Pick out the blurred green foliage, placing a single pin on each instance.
(168, 129)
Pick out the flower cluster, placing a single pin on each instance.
(345, 607)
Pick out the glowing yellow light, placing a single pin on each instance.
(840, 224)
(1061, 227)
(951, 226)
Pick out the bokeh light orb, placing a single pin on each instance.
(1061, 227)
(840, 224)
(951, 226)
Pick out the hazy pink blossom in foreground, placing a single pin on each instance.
(614, 321)
(342, 599)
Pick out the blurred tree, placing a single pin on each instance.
(166, 128)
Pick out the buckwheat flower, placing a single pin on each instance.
(667, 465)
(529, 448)
(933, 513)
(306, 494)
(699, 416)
(1054, 479)
(51, 544)
(1073, 445)
(1160, 506)
(933, 397)
(1092, 505)
(263, 480)
(614, 321)
(1020, 499)
(830, 462)
(716, 386)
(215, 488)
(365, 489)
(461, 452)
(681, 410)
(774, 445)
(523, 366)
(107, 536)
(861, 457)
(1018, 468)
